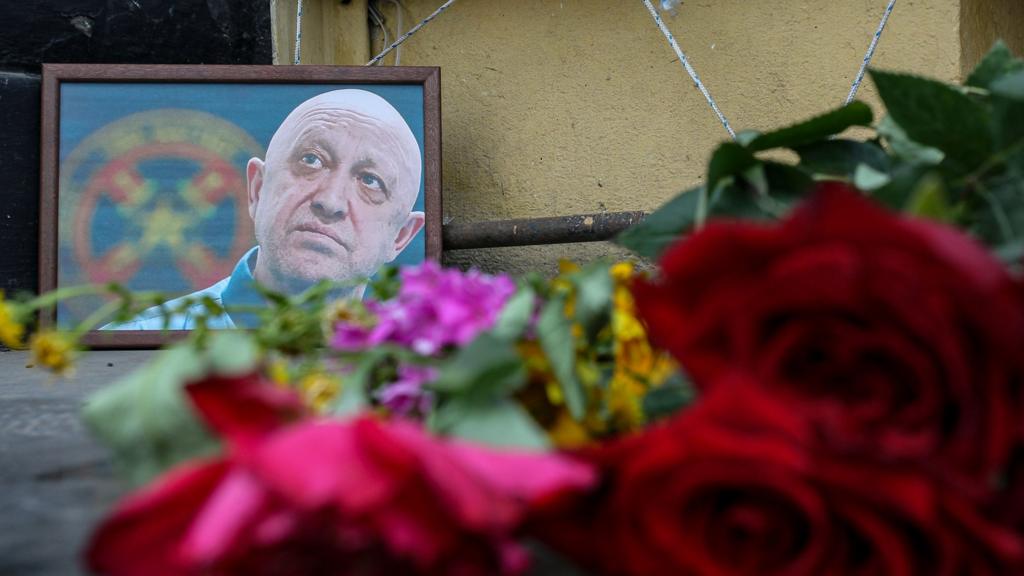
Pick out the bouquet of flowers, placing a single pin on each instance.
(822, 376)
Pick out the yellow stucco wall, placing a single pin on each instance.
(557, 107)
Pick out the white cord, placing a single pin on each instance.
(871, 51)
(379, 21)
(686, 65)
(298, 32)
(409, 34)
(398, 30)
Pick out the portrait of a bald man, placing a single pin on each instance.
(332, 200)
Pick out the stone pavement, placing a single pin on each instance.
(55, 481)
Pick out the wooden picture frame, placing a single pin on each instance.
(122, 151)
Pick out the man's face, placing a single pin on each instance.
(333, 199)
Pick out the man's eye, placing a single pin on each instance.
(311, 160)
(371, 181)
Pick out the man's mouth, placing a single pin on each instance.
(324, 231)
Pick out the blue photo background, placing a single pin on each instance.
(257, 110)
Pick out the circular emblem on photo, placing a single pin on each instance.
(155, 201)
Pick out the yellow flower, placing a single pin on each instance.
(566, 432)
(622, 271)
(277, 371)
(55, 351)
(319, 389)
(345, 311)
(638, 366)
(11, 330)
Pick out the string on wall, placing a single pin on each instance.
(667, 5)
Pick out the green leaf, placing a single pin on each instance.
(231, 352)
(765, 191)
(385, 283)
(730, 159)
(663, 227)
(145, 417)
(1001, 220)
(1011, 254)
(593, 296)
(1008, 111)
(906, 149)
(868, 179)
(756, 179)
(904, 180)
(355, 383)
(501, 423)
(786, 183)
(930, 200)
(487, 366)
(672, 396)
(555, 334)
(745, 137)
(996, 63)
(815, 129)
(1010, 85)
(841, 157)
(515, 317)
(938, 115)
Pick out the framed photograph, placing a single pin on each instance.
(200, 181)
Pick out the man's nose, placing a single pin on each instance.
(330, 202)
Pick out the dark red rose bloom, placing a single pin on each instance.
(898, 335)
(330, 497)
(740, 485)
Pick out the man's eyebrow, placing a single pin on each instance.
(310, 136)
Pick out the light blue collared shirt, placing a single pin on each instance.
(235, 290)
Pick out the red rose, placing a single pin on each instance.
(739, 485)
(899, 335)
(327, 497)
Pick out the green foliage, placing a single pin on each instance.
(663, 401)
(997, 63)
(664, 226)
(487, 366)
(476, 384)
(515, 318)
(145, 417)
(385, 284)
(945, 152)
(496, 422)
(938, 115)
(593, 289)
(816, 129)
(554, 331)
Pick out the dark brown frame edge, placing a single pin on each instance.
(54, 74)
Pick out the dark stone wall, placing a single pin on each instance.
(96, 31)
(134, 31)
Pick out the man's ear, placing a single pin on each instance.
(407, 232)
(254, 184)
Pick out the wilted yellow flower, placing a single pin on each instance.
(345, 311)
(53, 350)
(11, 330)
(561, 284)
(319, 389)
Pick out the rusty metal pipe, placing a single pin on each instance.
(533, 231)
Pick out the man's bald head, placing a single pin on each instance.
(334, 198)
(354, 105)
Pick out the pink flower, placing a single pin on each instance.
(435, 307)
(406, 395)
(328, 497)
